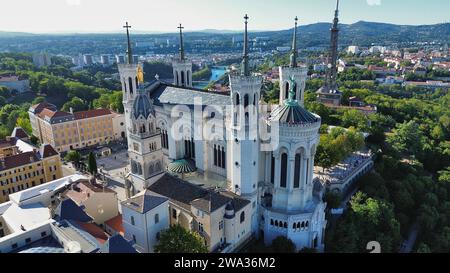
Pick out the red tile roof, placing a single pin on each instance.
(18, 160)
(116, 224)
(95, 231)
(47, 150)
(52, 114)
(19, 133)
(92, 113)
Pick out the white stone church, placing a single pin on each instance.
(264, 155)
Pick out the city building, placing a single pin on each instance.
(68, 131)
(144, 216)
(23, 166)
(353, 50)
(42, 59)
(231, 189)
(88, 60)
(120, 59)
(30, 224)
(98, 202)
(15, 83)
(104, 60)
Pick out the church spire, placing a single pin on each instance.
(294, 46)
(245, 71)
(129, 53)
(181, 43)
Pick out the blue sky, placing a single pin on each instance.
(164, 15)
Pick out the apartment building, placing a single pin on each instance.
(74, 130)
(24, 166)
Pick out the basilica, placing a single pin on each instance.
(252, 162)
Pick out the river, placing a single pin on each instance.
(216, 73)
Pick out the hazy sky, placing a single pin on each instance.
(164, 15)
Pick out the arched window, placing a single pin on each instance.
(132, 220)
(130, 84)
(238, 99)
(285, 225)
(272, 169)
(276, 223)
(246, 100)
(307, 224)
(151, 170)
(139, 168)
(286, 90)
(223, 158)
(271, 222)
(307, 171)
(215, 155)
(303, 225)
(297, 171)
(133, 167)
(156, 218)
(157, 167)
(188, 76)
(242, 217)
(177, 79)
(283, 176)
(298, 225)
(182, 78)
(294, 226)
(254, 99)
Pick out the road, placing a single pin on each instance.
(408, 245)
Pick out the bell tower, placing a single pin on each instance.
(182, 68)
(297, 72)
(243, 132)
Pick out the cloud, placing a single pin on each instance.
(373, 2)
(73, 2)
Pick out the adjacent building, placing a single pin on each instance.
(23, 166)
(42, 59)
(15, 83)
(75, 130)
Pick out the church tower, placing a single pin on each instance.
(144, 139)
(243, 131)
(298, 73)
(182, 68)
(290, 207)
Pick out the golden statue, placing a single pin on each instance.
(140, 74)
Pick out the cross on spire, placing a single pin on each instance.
(245, 69)
(129, 53)
(181, 43)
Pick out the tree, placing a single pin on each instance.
(92, 163)
(25, 124)
(423, 248)
(76, 104)
(282, 244)
(73, 156)
(332, 199)
(407, 138)
(38, 100)
(176, 239)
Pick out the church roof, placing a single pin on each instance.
(144, 202)
(170, 94)
(142, 106)
(293, 114)
(186, 194)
